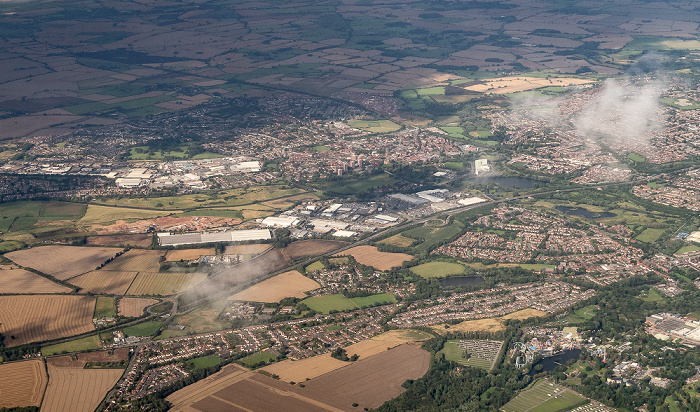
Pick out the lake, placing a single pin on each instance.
(579, 211)
(453, 281)
(548, 364)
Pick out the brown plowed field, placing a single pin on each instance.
(188, 254)
(62, 262)
(22, 383)
(246, 249)
(136, 260)
(104, 281)
(77, 390)
(285, 285)
(370, 256)
(40, 318)
(133, 307)
(121, 240)
(163, 284)
(369, 382)
(313, 247)
(83, 358)
(15, 280)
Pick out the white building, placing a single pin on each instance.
(280, 221)
(481, 166)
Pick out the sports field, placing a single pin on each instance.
(437, 269)
(543, 396)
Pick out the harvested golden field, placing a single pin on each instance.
(285, 285)
(138, 240)
(136, 260)
(188, 254)
(15, 280)
(22, 383)
(104, 282)
(133, 307)
(153, 283)
(370, 256)
(246, 249)
(398, 240)
(513, 84)
(25, 319)
(403, 335)
(479, 325)
(77, 390)
(229, 374)
(298, 371)
(312, 247)
(524, 314)
(62, 262)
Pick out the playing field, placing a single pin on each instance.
(104, 282)
(288, 284)
(136, 260)
(163, 284)
(78, 390)
(650, 235)
(370, 256)
(437, 269)
(62, 262)
(133, 307)
(15, 280)
(188, 254)
(22, 383)
(38, 318)
(543, 396)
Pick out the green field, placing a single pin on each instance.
(652, 296)
(254, 360)
(78, 345)
(317, 265)
(360, 186)
(431, 91)
(24, 216)
(688, 248)
(338, 302)
(544, 396)
(650, 235)
(636, 157)
(325, 304)
(375, 126)
(582, 315)
(321, 148)
(105, 308)
(205, 361)
(438, 269)
(398, 240)
(143, 329)
(430, 236)
(454, 165)
(454, 131)
(373, 300)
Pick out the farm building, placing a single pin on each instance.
(168, 239)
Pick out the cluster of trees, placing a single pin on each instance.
(342, 354)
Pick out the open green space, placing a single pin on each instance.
(652, 295)
(454, 165)
(544, 396)
(374, 300)
(105, 308)
(234, 214)
(351, 187)
(636, 157)
(78, 345)
(321, 148)
(375, 126)
(232, 197)
(328, 303)
(438, 269)
(204, 362)
(454, 131)
(688, 248)
(257, 359)
(650, 235)
(314, 266)
(398, 240)
(431, 236)
(24, 216)
(143, 329)
(142, 153)
(431, 91)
